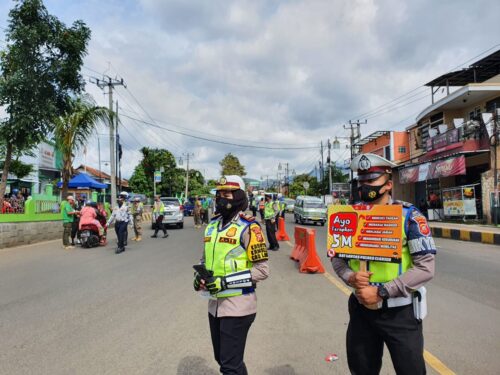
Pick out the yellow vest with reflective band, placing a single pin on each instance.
(269, 210)
(224, 253)
(158, 209)
(384, 272)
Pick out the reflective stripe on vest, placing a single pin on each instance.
(224, 253)
(384, 272)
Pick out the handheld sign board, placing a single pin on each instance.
(365, 232)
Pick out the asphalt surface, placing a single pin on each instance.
(89, 311)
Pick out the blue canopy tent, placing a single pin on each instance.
(83, 180)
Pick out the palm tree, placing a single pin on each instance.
(73, 129)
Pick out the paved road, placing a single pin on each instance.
(94, 312)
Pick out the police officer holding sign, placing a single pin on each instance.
(388, 303)
(234, 260)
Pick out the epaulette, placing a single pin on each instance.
(215, 217)
(403, 203)
(248, 218)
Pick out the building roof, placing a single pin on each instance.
(371, 137)
(470, 94)
(100, 174)
(477, 72)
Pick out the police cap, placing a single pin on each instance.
(370, 166)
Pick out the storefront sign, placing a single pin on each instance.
(365, 232)
(454, 208)
(442, 168)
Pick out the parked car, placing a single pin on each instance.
(290, 204)
(310, 209)
(174, 212)
(189, 207)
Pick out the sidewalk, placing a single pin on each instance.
(466, 232)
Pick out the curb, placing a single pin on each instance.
(466, 235)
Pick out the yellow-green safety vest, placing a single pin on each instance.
(135, 210)
(160, 209)
(269, 210)
(224, 253)
(384, 272)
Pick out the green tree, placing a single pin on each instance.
(73, 129)
(139, 182)
(230, 165)
(39, 74)
(153, 159)
(297, 186)
(337, 176)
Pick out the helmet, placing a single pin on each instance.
(91, 204)
(123, 195)
(137, 199)
(280, 195)
(231, 182)
(15, 191)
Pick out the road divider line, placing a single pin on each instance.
(431, 360)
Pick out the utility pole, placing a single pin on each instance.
(187, 155)
(109, 82)
(322, 164)
(354, 137)
(118, 151)
(495, 165)
(329, 161)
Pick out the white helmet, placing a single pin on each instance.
(280, 195)
(123, 194)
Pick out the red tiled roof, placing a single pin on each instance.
(100, 174)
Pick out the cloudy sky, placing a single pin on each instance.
(279, 74)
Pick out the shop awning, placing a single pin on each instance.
(442, 168)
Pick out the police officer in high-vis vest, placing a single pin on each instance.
(270, 213)
(394, 293)
(236, 256)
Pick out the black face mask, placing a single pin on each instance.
(224, 206)
(369, 193)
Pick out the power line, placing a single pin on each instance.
(370, 112)
(217, 141)
(223, 136)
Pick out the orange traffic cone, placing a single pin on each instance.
(282, 235)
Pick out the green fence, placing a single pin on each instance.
(38, 208)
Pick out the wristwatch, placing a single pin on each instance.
(382, 292)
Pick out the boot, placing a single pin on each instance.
(154, 236)
(134, 239)
(138, 238)
(165, 235)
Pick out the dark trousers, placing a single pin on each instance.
(271, 234)
(121, 233)
(261, 214)
(397, 327)
(204, 216)
(160, 226)
(229, 336)
(74, 229)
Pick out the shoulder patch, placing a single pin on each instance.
(257, 250)
(403, 203)
(248, 218)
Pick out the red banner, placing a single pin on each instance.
(442, 168)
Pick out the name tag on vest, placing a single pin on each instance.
(231, 241)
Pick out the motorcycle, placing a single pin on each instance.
(89, 235)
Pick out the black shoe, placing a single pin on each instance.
(154, 236)
(125, 244)
(165, 235)
(119, 250)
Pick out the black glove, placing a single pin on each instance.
(197, 281)
(216, 284)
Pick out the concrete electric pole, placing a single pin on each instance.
(110, 83)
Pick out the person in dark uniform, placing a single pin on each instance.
(384, 307)
(270, 212)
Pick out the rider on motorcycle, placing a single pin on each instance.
(89, 216)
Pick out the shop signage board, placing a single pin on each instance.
(459, 201)
(441, 168)
(365, 232)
